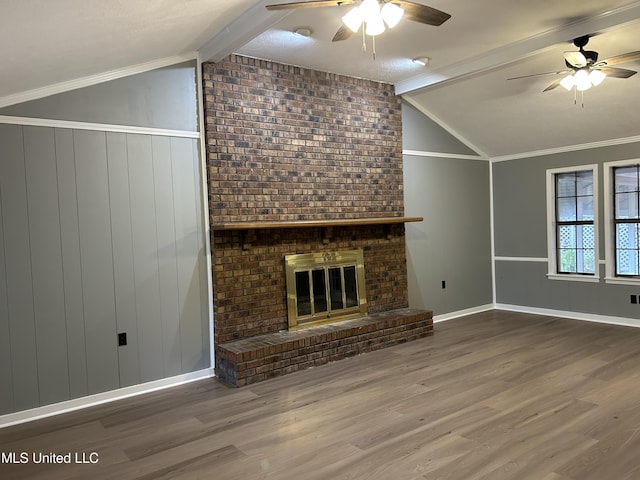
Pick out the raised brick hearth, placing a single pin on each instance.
(290, 144)
(266, 356)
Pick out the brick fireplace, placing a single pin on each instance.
(301, 161)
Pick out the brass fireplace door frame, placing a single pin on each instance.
(316, 261)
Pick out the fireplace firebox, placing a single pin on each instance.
(325, 287)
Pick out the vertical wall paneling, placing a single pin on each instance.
(97, 260)
(188, 245)
(6, 392)
(122, 240)
(71, 267)
(18, 268)
(100, 233)
(46, 264)
(167, 255)
(145, 256)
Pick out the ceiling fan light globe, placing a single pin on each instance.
(582, 80)
(375, 27)
(567, 82)
(596, 77)
(391, 14)
(370, 9)
(353, 19)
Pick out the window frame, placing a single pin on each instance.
(610, 224)
(552, 226)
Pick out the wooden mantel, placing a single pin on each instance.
(314, 223)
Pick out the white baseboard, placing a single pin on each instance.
(121, 393)
(461, 313)
(587, 317)
(99, 398)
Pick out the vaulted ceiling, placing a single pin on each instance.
(464, 87)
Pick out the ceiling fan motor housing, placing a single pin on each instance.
(581, 42)
(591, 56)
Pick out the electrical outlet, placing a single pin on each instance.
(122, 339)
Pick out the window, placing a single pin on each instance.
(626, 220)
(622, 217)
(572, 223)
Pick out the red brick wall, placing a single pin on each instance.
(287, 143)
(250, 285)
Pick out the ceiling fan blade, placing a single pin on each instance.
(560, 72)
(422, 13)
(343, 33)
(618, 59)
(617, 72)
(552, 85)
(575, 59)
(311, 4)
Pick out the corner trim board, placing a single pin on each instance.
(204, 200)
(569, 148)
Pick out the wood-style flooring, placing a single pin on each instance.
(496, 395)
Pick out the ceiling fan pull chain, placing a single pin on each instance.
(373, 43)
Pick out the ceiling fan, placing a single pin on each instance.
(584, 70)
(373, 14)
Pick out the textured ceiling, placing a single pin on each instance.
(46, 42)
(464, 88)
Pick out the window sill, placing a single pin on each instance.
(622, 281)
(574, 278)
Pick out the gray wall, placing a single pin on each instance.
(422, 134)
(163, 98)
(100, 233)
(521, 231)
(453, 243)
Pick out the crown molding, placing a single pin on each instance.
(569, 148)
(447, 128)
(62, 87)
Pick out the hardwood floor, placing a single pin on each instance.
(496, 395)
